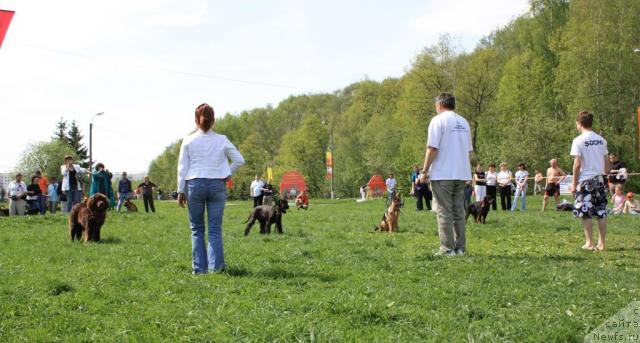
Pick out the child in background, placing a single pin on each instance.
(631, 205)
(618, 201)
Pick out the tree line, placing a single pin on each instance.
(520, 89)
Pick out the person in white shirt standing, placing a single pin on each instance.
(447, 164)
(522, 177)
(17, 196)
(256, 188)
(392, 185)
(589, 151)
(203, 168)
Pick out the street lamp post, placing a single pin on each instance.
(91, 140)
(637, 51)
(333, 170)
(331, 148)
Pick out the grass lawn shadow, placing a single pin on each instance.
(111, 240)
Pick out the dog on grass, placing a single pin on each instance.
(480, 209)
(130, 206)
(389, 221)
(267, 215)
(86, 218)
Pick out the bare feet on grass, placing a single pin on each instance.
(588, 247)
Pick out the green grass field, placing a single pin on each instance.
(328, 278)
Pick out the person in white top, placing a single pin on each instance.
(72, 175)
(256, 188)
(492, 185)
(447, 164)
(17, 196)
(504, 178)
(392, 185)
(522, 177)
(203, 168)
(589, 151)
(480, 183)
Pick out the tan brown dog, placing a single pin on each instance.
(130, 206)
(86, 218)
(390, 218)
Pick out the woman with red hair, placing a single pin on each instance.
(203, 169)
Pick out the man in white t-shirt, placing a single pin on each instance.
(392, 185)
(256, 190)
(447, 165)
(589, 151)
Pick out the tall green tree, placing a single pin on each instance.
(74, 139)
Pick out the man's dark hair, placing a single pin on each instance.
(585, 119)
(522, 165)
(447, 101)
(492, 165)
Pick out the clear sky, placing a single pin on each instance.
(148, 63)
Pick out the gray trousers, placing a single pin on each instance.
(449, 195)
(16, 207)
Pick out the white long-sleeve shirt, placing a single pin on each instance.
(206, 155)
(17, 188)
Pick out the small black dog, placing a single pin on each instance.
(267, 215)
(480, 209)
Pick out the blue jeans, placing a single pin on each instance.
(520, 193)
(73, 197)
(209, 194)
(122, 197)
(42, 203)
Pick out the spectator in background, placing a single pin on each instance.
(504, 178)
(256, 190)
(480, 183)
(537, 179)
(422, 191)
(363, 192)
(33, 196)
(17, 196)
(392, 185)
(267, 195)
(147, 194)
(124, 190)
(555, 176)
(159, 193)
(492, 185)
(302, 201)
(631, 205)
(43, 183)
(72, 182)
(101, 182)
(54, 197)
(62, 197)
(415, 173)
(617, 173)
(618, 201)
(522, 177)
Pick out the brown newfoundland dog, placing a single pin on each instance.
(87, 218)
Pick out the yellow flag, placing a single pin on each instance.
(269, 175)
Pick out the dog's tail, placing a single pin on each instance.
(376, 228)
(246, 221)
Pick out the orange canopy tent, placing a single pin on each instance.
(292, 184)
(376, 185)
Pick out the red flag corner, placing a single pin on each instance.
(5, 20)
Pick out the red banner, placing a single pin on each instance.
(5, 20)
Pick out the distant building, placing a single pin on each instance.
(5, 179)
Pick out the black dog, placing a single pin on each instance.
(480, 210)
(267, 215)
